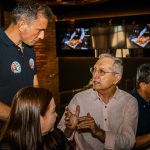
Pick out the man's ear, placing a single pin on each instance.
(21, 25)
(117, 78)
(142, 85)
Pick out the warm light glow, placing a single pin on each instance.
(118, 37)
(122, 53)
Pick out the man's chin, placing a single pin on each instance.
(95, 88)
(31, 43)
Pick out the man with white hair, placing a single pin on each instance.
(104, 116)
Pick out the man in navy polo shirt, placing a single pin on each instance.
(142, 94)
(17, 57)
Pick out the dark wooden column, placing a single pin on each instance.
(2, 20)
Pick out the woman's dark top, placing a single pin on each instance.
(7, 144)
(54, 140)
(144, 114)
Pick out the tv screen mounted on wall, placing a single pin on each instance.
(74, 41)
(139, 36)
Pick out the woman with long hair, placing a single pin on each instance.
(30, 125)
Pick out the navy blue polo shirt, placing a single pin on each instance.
(17, 69)
(144, 114)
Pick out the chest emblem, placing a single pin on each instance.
(31, 63)
(15, 67)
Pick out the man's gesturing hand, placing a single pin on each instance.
(71, 120)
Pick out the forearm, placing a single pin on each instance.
(100, 134)
(4, 111)
(68, 132)
(142, 141)
(35, 81)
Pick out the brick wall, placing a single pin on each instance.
(47, 62)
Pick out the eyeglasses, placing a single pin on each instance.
(99, 71)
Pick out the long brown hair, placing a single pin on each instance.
(23, 126)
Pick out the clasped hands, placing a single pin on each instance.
(74, 122)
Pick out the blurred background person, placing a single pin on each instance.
(142, 95)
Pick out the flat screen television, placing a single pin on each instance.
(138, 36)
(102, 35)
(74, 41)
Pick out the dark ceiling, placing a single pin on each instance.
(85, 9)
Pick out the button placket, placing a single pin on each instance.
(106, 117)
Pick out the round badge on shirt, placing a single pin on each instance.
(15, 67)
(31, 63)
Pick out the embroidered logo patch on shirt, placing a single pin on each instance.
(15, 67)
(31, 63)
